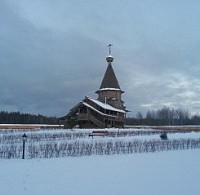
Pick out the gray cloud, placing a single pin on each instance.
(53, 54)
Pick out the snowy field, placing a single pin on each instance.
(163, 173)
(125, 162)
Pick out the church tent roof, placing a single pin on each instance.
(110, 79)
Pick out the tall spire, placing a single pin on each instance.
(109, 91)
(109, 80)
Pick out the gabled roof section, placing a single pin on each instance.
(101, 104)
(105, 106)
(89, 106)
(110, 80)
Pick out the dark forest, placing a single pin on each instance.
(24, 118)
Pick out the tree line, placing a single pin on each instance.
(24, 118)
(165, 116)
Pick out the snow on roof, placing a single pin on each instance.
(106, 106)
(84, 103)
(110, 89)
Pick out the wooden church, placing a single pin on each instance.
(107, 110)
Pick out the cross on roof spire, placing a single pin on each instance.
(109, 46)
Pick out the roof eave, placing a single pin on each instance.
(109, 89)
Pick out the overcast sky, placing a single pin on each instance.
(52, 53)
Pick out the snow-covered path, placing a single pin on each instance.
(166, 173)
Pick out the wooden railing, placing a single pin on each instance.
(99, 119)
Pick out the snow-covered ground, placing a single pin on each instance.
(175, 172)
(163, 173)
